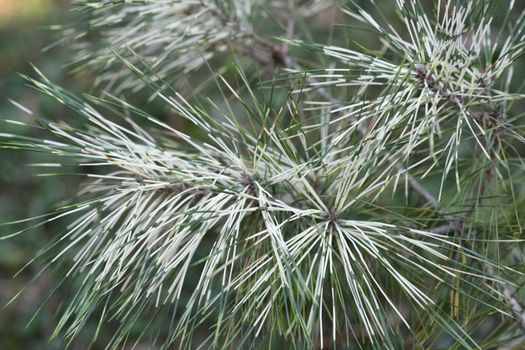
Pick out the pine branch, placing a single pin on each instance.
(453, 224)
(282, 220)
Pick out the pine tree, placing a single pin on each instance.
(331, 193)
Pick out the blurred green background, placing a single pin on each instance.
(24, 32)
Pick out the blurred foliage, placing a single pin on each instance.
(16, 11)
(23, 34)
